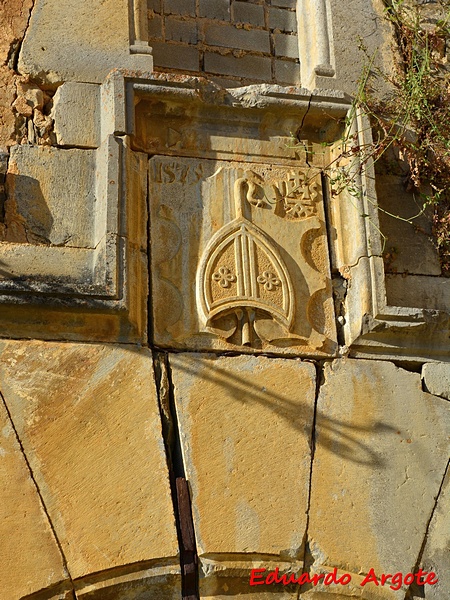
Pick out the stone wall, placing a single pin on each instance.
(205, 373)
(243, 41)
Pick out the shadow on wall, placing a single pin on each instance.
(296, 414)
(27, 218)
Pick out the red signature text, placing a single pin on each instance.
(394, 580)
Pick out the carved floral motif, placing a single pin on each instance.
(269, 280)
(258, 262)
(296, 192)
(224, 277)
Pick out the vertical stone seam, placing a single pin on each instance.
(338, 302)
(149, 339)
(3, 173)
(200, 38)
(413, 588)
(312, 446)
(44, 507)
(271, 41)
(179, 486)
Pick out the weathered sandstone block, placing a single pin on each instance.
(31, 559)
(436, 378)
(89, 423)
(51, 197)
(382, 447)
(80, 42)
(76, 114)
(239, 257)
(245, 425)
(436, 556)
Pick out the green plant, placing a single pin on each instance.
(410, 130)
(413, 126)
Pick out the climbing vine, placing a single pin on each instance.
(412, 127)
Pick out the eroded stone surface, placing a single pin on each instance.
(82, 42)
(436, 379)
(239, 257)
(409, 248)
(245, 426)
(88, 420)
(339, 25)
(51, 196)
(13, 21)
(418, 291)
(76, 112)
(381, 451)
(31, 559)
(76, 242)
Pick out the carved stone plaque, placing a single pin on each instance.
(239, 257)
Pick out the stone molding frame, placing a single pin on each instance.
(228, 146)
(373, 326)
(57, 287)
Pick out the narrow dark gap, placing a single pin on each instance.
(208, 353)
(4, 161)
(307, 556)
(339, 287)
(417, 591)
(339, 284)
(14, 53)
(327, 211)
(410, 366)
(178, 483)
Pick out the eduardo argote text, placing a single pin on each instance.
(393, 580)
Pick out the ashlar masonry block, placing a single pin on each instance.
(245, 425)
(76, 114)
(84, 41)
(73, 237)
(31, 559)
(88, 420)
(382, 447)
(239, 257)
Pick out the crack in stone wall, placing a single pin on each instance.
(41, 498)
(178, 483)
(414, 590)
(308, 558)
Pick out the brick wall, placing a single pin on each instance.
(238, 41)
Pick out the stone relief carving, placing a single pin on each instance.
(296, 193)
(251, 239)
(241, 272)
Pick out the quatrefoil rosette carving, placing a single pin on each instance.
(241, 273)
